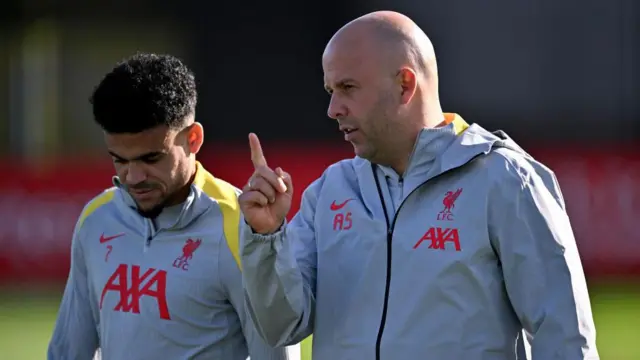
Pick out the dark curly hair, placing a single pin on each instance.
(145, 91)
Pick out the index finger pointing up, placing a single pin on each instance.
(257, 157)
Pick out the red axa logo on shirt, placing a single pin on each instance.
(152, 283)
(439, 237)
(190, 246)
(449, 203)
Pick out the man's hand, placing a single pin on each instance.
(266, 199)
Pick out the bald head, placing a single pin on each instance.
(380, 70)
(389, 37)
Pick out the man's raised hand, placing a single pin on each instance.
(266, 199)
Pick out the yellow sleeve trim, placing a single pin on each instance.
(227, 198)
(305, 348)
(94, 204)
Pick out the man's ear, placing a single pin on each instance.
(407, 80)
(195, 137)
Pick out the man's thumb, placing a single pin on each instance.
(286, 178)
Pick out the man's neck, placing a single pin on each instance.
(427, 114)
(402, 155)
(405, 148)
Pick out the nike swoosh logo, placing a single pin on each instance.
(104, 239)
(336, 207)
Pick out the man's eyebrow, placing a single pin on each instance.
(144, 156)
(340, 83)
(346, 80)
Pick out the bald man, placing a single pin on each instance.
(439, 240)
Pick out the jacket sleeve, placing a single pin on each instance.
(75, 334)
(531, 233)
(280, 275)
(231, 278)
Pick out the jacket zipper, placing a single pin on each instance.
(390, 227)
(150, 234)
(152, 237)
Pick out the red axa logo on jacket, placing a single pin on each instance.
(152, 283)
(439, 237)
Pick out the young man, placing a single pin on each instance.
(154, 263)
(440, 240)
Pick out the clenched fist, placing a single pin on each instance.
(266, 199)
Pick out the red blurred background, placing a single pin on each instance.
(40, 204)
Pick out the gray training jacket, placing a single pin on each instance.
(470, 249)
(165, 289)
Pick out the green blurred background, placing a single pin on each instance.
(26, 321)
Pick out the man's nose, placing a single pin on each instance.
(135, 174)
(336, 108)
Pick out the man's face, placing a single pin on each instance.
(152, 164)
(362, 98)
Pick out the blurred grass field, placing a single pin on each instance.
(26, 321)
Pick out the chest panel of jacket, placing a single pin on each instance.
(439, 241)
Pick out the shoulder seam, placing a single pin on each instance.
(513, 166)
(226, 195)
(94, 204)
